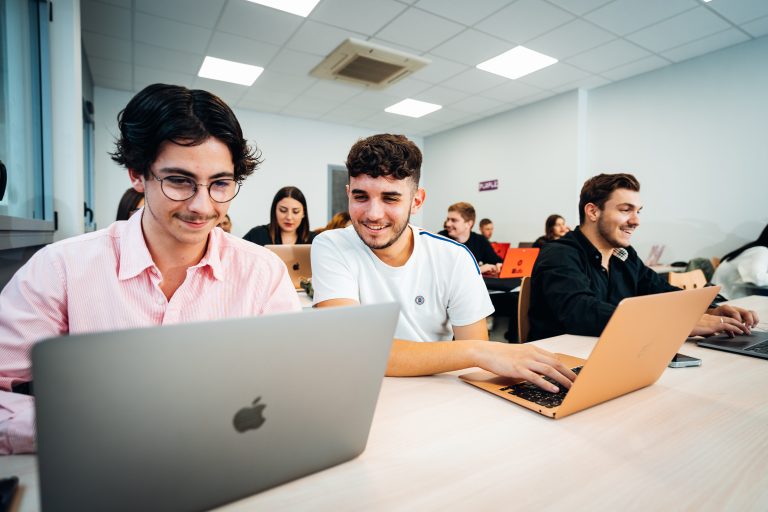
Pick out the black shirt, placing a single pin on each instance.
(260, 235)
(571, 292)
(480, 247)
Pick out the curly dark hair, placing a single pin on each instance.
(183, 116)
(598, 189)
(385, 155)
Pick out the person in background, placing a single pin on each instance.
(747, 264)
(184, 150)
(383, 258)
(580, 278)
(486, 229)
(226, 224)
(288, 221)
(338, 221)
(554, 228)
(458, 227)
(129, 204)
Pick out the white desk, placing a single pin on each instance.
(696, 440)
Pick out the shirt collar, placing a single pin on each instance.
(135, 257)
(619, 252)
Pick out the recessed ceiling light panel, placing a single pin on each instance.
(517, 62)
(229, 71)
(412, 108)
(298, 7)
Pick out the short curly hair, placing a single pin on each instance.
(187, 117)
(385, 155)
(598, 189)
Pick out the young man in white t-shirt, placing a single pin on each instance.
(436, 281)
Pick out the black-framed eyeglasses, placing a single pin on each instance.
(181, 188)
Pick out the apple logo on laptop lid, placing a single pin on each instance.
(250, 418)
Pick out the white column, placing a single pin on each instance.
(67, 117)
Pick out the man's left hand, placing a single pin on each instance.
(744, 316)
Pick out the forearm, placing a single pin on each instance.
(413, 358)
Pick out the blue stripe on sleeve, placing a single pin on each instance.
(454, 242)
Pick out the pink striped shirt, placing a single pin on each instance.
(107, 280)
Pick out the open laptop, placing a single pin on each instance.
(297, 259)
(190, 417)
(654, 257)
(518, 262)
(755, 344)
(500, 248)
(642, 336)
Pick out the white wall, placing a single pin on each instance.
(695, 136)
(532, 151)
(693, 133)
(295, 151)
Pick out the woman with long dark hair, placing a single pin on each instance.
(554, 228)
(129, 204)
(288, 221)
(747, 264)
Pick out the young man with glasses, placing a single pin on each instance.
(184, 149)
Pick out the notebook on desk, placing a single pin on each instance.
(297, 260)
(642, 336)
(518, 262)
(190, 417)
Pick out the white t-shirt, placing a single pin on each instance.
(439, 286)
(751, 266)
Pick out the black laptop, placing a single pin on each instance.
(755, 344)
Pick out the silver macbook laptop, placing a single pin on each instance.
(193, 416)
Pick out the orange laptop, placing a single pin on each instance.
(636, 346)
(297, 259)
(500, 248)
(518, 262)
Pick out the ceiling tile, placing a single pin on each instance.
(407, 87)
(294, 63)
(106, 19)
(569, 39)
(105, 47)
(680, 29)
(419, 29)
(203, 13)
(162, 58)
(373, 100)
(590, 82)
(111, 69)
(705, 45)
(554, 76)
(625, 16)
(349, 114)
(609, 55)
(319, 38)
(511, 91)
(311, 105)
(476, 104)
(524, 20)
(757, 28)
(439, 69)
(394, 46)
(536, 97)
(143, 77)
(332, 91)
(740, 11)
(472, 47)
(366, 16)
(241, 49)
(448, 115)
(280, 82)
(467, 13)
(265, 101)
(120, 3)
(258, 22)
(473, 81)
(635, 68)
(440, 95)
(170, 34)
(579, 7)
(113, 83)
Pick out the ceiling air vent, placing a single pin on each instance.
(367, 64)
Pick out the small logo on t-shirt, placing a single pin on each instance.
(419, 300)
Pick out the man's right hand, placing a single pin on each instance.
(525, 361)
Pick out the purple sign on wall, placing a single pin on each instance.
(488, 185)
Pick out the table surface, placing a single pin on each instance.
(695, 440)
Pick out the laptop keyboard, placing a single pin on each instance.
(760, 348)
(533, 393)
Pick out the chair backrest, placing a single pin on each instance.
(523, 302)
(688, 280)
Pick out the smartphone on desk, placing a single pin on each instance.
(683, 361)
(8, 488)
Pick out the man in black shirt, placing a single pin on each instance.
(458, 227)
(579, 279)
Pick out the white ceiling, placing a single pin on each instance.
(132, 43)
